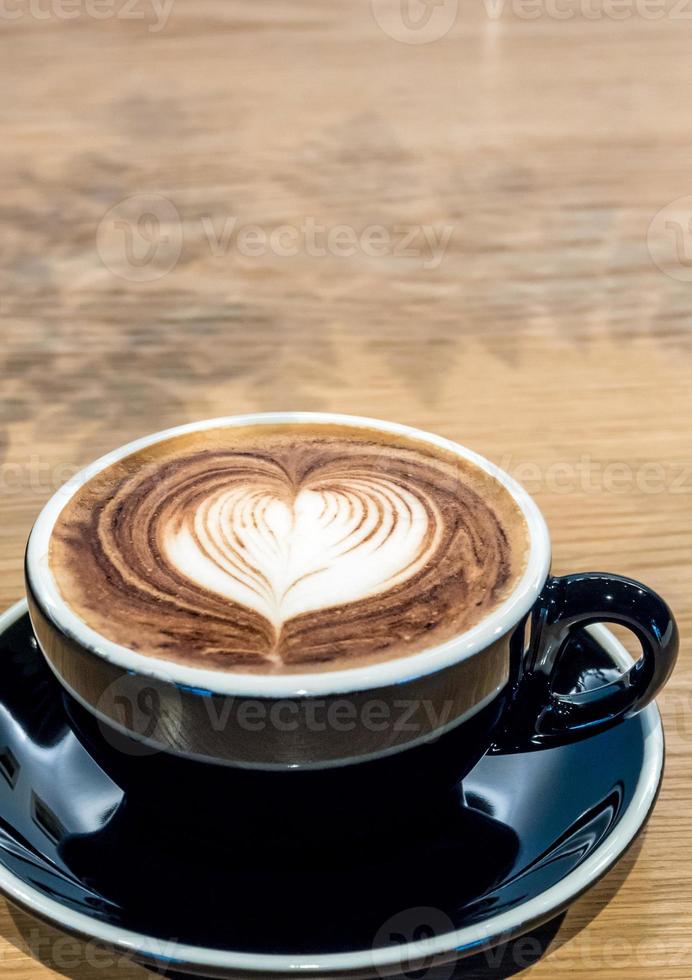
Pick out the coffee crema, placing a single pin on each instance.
(287, 548)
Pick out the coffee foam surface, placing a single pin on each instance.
(287, 548)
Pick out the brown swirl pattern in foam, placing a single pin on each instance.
(274, 550)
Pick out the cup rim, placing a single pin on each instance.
(309, 683)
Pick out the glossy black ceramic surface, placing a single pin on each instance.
(433, 725)
(72, 833)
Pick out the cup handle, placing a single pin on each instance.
(538, 716)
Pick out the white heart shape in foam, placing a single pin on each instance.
(329, 547)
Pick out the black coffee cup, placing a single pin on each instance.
(389, 732)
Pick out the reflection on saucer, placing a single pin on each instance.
(186, 862)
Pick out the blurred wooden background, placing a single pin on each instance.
(172, 184)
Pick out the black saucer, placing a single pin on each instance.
(528, 834)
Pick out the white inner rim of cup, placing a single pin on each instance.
(380, 674)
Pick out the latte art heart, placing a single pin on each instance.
(324, 547)
(279, 549)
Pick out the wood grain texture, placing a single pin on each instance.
(546, 337)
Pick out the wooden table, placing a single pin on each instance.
(551, 333)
